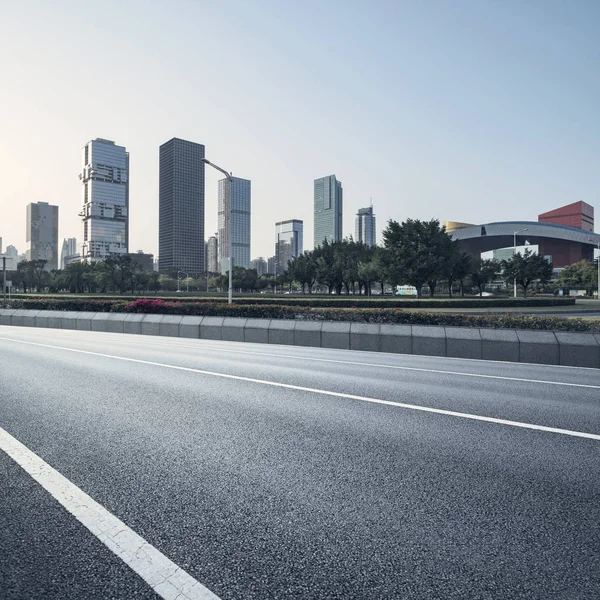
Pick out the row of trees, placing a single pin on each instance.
(416, 253)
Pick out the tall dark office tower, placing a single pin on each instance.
(181, 207)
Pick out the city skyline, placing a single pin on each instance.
(478, 113)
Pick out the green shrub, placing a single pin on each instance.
(306, 313)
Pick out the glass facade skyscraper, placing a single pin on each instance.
(289, 243)
(328, 198)
(237, 194)
(69, 249)
(181, 207)
(105, 179)
(364, 229)
(42, 234)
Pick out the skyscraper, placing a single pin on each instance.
(105, 180)
(212, 246)
(181, 207)
(260, 264)
(288, 242)
(364, 229)
(236, 193)
(69, 249)
(42, 234)
(328, 210)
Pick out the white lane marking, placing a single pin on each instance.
(439, 411)
(379, 365)
(206, 344)
(167, 579)
(401, 368)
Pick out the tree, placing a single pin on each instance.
(483, 271)
(459, 266)
(527, 268)
(583, 275)
(416, 252)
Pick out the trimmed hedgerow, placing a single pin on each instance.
(304, 313)
(336, 301)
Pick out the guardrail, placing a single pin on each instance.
(513, 345)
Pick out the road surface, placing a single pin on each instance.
(257, 472)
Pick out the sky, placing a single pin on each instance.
(466, 110)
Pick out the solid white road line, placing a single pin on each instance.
(167, 579)
(439, 411)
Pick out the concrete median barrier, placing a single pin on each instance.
(308, 333)
(84, 320)
(232, 329)
(463, 342)
(578, 349)
(365, 336)
(190, 327)
(335, 335)
(499, 344)
(211, 328)
(396, 339)
(541, 347)
(428, 341)
(257, 331)
(169, 325)
(133, 323)
(281, 331)
(151, 324)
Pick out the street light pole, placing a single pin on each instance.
(179, 279)
(4, 281)
(598, 259)
(230, 180)
(514, 253)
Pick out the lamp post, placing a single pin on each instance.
(230, 180)
(514, 252)
(598, 246)
(4, 281)
(179, 279)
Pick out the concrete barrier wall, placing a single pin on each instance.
(542, 347)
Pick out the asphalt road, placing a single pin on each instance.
(283, 491)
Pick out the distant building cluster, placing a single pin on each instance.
(563, 235)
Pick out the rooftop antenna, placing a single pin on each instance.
(371, 201)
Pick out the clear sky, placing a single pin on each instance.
(468, 110)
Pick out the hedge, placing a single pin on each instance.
(337, 301)
(304, 313)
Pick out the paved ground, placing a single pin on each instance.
(263, 491)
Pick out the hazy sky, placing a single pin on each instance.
(469, 110)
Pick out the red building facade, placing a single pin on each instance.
(563, 253)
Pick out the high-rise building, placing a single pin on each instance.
(289, 242)
(105, 180)
(181, 207)
(212, 252)
(328, 199)
(271, 263)
(260, 264)
(237, 194)
(12, 252)
(364, 228)
(69, 249)
(42, 234)
(1, 246)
